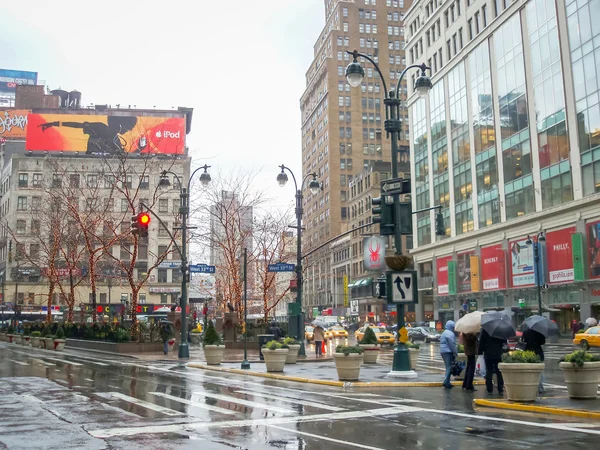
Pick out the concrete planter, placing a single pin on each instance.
(26, 340)
(17, 338)
(10, 338)
(35, 341)
(214, 354)
(414, 357)
(348, 366)
(371, 353)
(582, 382)
(275, 359)
(3, 337)
(59, 344)
(195, 338)
(49, 343)
(521, 380)
(292, 355)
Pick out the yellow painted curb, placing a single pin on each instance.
(275, 376)
(538, 409)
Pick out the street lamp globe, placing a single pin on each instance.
(164, 181)
(355, 74)
(282, 178)
(314, 185)
(541, 237)
(205, 178)
(423, 85)
(529, 241)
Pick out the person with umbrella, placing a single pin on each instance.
(319, 337)
(496, 328)
(166, 333)
(535, 331)
(470, 343)
(448, 351)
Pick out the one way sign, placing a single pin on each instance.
(403, 286)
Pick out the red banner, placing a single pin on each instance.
(493, 267)
(560, 256)
(442, 275)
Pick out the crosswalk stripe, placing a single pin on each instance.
(39, 361)
(294, 401)
(240, 401)
(142, 403)
(325, 438)
(195, 404)
(19, 362)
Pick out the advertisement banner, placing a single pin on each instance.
(10, 79)
(463, 264)
(346, 291)
(578, 257)
(521, 264)
(493, 267)
(374, 253)
(452, 277)
(97, 134)
(593, 248)
(475, 278)
(442, 275)
(13, 123)
(560, 256)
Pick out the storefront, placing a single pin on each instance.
(564, 305)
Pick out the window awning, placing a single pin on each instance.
(361, 283)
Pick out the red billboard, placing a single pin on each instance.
(99, 134)
(593, 248)
(442, 275)
(493, 267)
(560, 256)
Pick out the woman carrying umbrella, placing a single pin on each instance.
(470, 325)
(496, 328)
(535, 331)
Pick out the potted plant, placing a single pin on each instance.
(275, 354)
(414, 350)
(582, 374)
(521, 372)
(348, 359)
(59, 340)
(370, 346)
(26, 339)
(213, 349)
(45, 334)
(35, 338)
(196, 335)
(10, 334)
(17, 338)
(294, 347)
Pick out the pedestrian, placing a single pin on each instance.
(166, 333)
(492, 348)
(319, 337)
(448, 351)
(470, 343)
(574, 328)
(533, 342)
(275, 330)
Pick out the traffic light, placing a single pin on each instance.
(143, 222)
(135, 226)
(440, 229)
(383, 214)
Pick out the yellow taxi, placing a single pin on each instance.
(336, 332)
(308, 333)
(590, 338)
(383, 336)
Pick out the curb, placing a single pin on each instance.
(581, 413)
(358, 384)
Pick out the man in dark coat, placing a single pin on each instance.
(470, 343)
(533, 342)
(492, 349)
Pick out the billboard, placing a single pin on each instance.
(10, 79)
(560, 256)
(13, 123)
(521, 264)
(374, 253)
(593, 248)
(442, 275)
(99, 134)
(464, 271)
(493, 267)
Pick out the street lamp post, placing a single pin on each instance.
(392, 125)
(536, 257)
(184, 212)
(296, 320)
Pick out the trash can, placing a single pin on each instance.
(262, 340)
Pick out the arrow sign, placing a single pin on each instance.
(395, 186)
(281, 267)
(404, 286)
(391, 186)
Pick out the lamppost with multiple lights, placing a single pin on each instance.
(184, 212)
(392, 125)
(536, 257)
(296, 319)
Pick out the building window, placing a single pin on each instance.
(163, 205)
(92, 181)
(470, 25)
(56, 180)
(35, 226)
(74, 180)
(23, 180)
(21, 203)
(162, 275)
(489, 212)
(109, 181)
(556, 185)
(517, 161)
(34, 251)
(521, 201)
(345, 27)
(21, 226)
(124, 205)
(145, 182)
(484, 15)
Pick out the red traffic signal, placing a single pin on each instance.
(144, 219)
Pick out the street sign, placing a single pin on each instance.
(354, 307)
(281, 267)
(402, 286)
(395, 186)
(201, 268)
(545, 286)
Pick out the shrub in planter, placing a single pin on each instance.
(348, 360)
(294, 347)
(521, 372)
(275, 354)
(413, 350)
(582, 373)
(59, 340)
(370, 346)
(10, 333)
(213, 350)
(35, 338)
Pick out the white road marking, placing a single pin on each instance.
(31, 398)
(19, 362)
(401, 400)
(142, 403)
(62, 361)
(195, 404)
(39, 361)
(431, 367)
(323, 438)
(580, 425)
(294, 401)
(89, 379)
(121, 411)
(239, 401)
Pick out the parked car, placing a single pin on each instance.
(589, 338)
(425, 334)
(383, 336)
(308, 333)
(336, 332)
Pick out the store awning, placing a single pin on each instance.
(351, 285)
(361, 283)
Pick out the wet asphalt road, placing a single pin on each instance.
(76, 400)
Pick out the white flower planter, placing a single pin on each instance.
(49, 343)
(59, 344)
(214, 354)
(17, 338)
(35, 341)
(275, 359)
(292, 355)
(3, 337)
(26, 340)
(348, 366)
(521, 380)
(414, 357)
(371, 353)
(582, 382)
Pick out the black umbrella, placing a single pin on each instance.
(540, 324)
(498, 325)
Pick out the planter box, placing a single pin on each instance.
(582, 382)
(17, 338)
(214, 354)
(11, 338)
(59, 344)
(292, 355)
(414, 356)
(26, 340)
(42, 342)
(275, 359)
(49, 343)
(195, 338)
(116, 347)
(371, 353)
(3, 337)
(348, 367)
(35, 341)
(521, 380)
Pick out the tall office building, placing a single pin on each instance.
(342, 128)
(508, 143)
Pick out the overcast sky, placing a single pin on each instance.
(240, 64)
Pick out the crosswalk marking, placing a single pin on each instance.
(195, 404)
(142, 403)
(240, 401)
(19, 362)
(325, 438)
(39, 361)
(294, 401)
